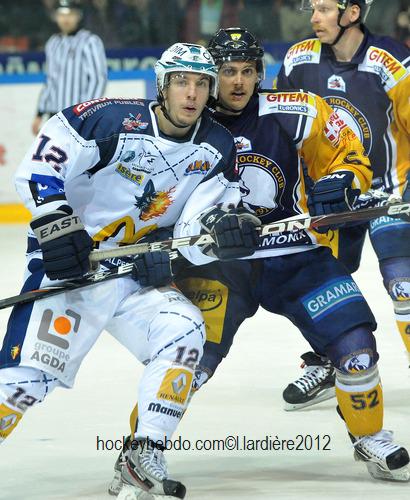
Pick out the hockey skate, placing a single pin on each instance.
(144, 475)
(116, 483)
(384, 459)
(316, 385)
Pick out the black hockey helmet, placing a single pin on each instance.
(237, 44)
(66, 5)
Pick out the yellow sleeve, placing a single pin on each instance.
(400, 126)
(331, 146)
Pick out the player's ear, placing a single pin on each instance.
(354, 13)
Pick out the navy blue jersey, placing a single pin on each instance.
(371, 93)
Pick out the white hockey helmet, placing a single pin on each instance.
(186, 57)
(342, 5)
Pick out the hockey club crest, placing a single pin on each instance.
(261, 183)
(353, 118)
(132, 122)
(242, 144)
(153, 203)
(358, 362)
(336, 82)
(400, 290)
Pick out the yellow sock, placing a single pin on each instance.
(360, 399)
(9, 419)
(404, 329)
(133, 420)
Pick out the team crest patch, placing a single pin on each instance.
(242, 144)
(336, 82)
(400, 290)
(132, 122)
(153, 203)
(331, 297)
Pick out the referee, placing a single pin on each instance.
(76, 64)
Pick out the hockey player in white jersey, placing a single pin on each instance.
(105, 173)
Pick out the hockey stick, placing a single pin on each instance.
(297, 223)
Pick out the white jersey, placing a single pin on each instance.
(108, 160)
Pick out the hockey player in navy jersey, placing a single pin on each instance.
(295, 274)
(105, 173)
(366, 79)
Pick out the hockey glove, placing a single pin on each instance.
(64, 242)
(235, 232)
(152, 269)
(331, 194)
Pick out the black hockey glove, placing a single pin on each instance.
(64, 242)
(152, 269)
(331, 194)
(235, 232)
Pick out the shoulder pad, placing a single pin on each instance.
(293, 102)
(104, 117)
(305, 52)
(388, 64)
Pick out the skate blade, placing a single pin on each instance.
(129, 492)
(323, 396)
(116, 484)
(402, 474)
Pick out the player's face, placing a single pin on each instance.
(237, 82)
(67, 20)
(186, 97)
(324, 19)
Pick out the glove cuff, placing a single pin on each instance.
(55, 224)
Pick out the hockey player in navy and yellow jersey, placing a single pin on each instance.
(281, 139)
(366, 79)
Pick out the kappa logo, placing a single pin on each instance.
(336, 82)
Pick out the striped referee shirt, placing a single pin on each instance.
(76, 71)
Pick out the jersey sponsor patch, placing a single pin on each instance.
(332, 296)
(127, 173)
(175, 386)
(198, 167)
(336, 82)
(382, 63)
(287, 102)
(386, 223)
(211, 297)
(306, 52)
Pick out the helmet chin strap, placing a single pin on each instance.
(343, 28)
